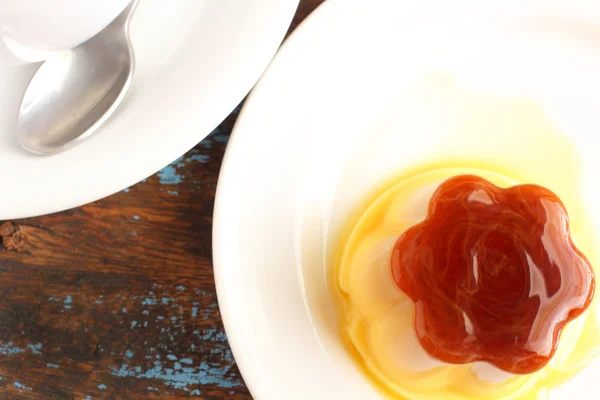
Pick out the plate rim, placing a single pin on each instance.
(85, 190)
(237, 350)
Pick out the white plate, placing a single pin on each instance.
(321, 130)
(196, 60)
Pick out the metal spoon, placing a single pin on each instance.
(74, 93)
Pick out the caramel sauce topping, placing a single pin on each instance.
(493, 273)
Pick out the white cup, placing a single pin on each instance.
(33, 30)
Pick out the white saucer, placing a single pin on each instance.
(196, 60)
(326, 125)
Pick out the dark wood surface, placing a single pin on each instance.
(116, 299)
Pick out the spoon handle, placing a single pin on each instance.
(123, 19)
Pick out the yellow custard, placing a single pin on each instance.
(376, 318)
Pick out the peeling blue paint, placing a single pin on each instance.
(21, 386)
(173, 192)
(207, 143)
(182, 374)
(169, 176)
(35, 349)
(213, 334)
(201, 158)
(188, 370)
(166, 300)
(221, 138)
(9, 350)
(136, 217)
(149, 302)
(185, 373)
(202, 292)
(203, 375)
(102, 386)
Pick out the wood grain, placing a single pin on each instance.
(116, 299)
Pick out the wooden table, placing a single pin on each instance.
(116, 299)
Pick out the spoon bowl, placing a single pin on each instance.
(75, 92)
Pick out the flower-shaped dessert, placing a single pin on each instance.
(493, 273)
